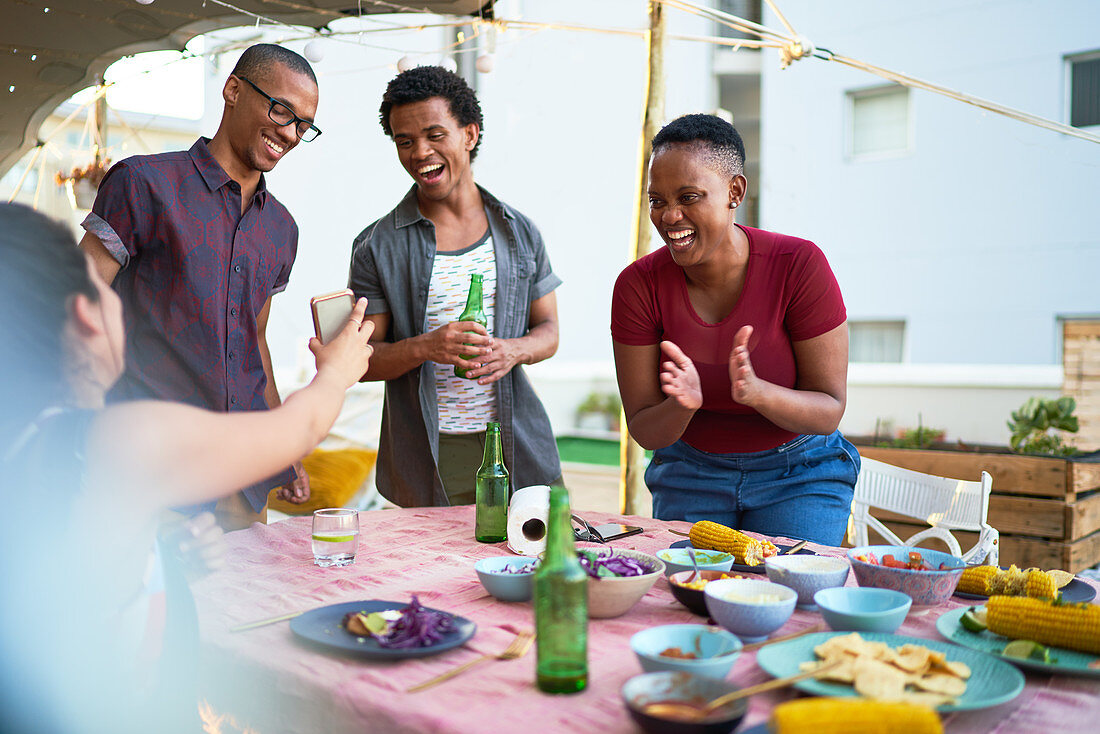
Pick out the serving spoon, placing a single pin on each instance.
(686, 712)
(694, 564)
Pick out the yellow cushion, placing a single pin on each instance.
(334, 478)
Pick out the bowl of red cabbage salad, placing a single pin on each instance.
(608, 565)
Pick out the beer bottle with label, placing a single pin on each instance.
(491, 491)
(561, 606)
(474, 311)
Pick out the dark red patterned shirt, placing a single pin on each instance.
(195, 273)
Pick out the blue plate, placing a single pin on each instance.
(992, 681)
(1076, 590)
(322, 627)
(1069, 662)
(741, 567)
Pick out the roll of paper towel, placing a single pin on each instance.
(527, 514)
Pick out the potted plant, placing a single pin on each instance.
(1036, 427)
(599, 411)
(83, 181)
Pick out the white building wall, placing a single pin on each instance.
(987, 230)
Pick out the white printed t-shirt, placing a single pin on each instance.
(464, 405)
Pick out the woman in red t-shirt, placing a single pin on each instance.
(731, 349)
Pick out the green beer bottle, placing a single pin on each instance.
(561, 606)
(491, 490)
(474, 311)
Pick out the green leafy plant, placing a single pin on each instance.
(1038, 425)
(595, 402)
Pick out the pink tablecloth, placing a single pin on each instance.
(269, 681)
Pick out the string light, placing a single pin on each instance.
(315, 50)
(145, 2)
(485, 63)
(405, 63)
(448, 63)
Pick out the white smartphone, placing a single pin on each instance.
(331, 313)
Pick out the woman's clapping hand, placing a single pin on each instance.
(746, 385)
(679, 379)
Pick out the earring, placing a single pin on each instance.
(733, 205)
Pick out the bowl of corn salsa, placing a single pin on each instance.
(690, 594)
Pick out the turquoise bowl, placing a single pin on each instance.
(925, 588)
(503, 585)
(715, 649)
(863, 608)
(677, 559)
(729, 603)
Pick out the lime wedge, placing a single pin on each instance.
(333, 538)
(973, 620)
(1027, 650)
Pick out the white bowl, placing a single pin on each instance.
(807, 574)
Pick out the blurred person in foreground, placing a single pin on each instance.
(731, 349)
(196, 247)
(414, 266)
(83, 611)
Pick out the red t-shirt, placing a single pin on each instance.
(790, 294)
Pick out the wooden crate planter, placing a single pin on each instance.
(1047, 510)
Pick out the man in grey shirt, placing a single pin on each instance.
(400, 263)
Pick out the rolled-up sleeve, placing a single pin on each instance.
(122, 216)
(545, 281)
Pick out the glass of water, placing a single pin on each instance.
(335, 536)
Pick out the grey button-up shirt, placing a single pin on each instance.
(391, 265)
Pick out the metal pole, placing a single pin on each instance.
(99, 119)
(632, 457)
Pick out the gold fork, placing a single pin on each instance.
(517, 649)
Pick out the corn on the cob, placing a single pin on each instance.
(745, 550)
(1040, 585)
(1072, 626)
(853, 716)
(977, 580)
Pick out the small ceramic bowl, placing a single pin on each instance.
(613, 596)
(806, 574)
(693, 599)
(862, 608)
(673, 686)
(733, 605)
(925, 588)
(677, 559)
(503, 585)
(714, 649)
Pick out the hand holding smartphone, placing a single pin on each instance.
(331, 312)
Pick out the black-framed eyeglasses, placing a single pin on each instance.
(282, 116)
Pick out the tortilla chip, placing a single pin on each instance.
(943, 683)
(952, 667)
(878, 680)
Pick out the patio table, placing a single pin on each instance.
(270, 681)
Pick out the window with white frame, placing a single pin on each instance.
(879, 121)
(1084, 89)
(876, 341)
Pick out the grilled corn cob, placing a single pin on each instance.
(852, 716)
(1040, 585)
(977, 580)
(1072, 626)
(709, 535)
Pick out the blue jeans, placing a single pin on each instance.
(802, 489)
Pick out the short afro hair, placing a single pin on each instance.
(717, 140)
(425, 82)
(257, 60)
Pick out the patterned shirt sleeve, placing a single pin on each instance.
(122, 216)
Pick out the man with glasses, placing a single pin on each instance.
(196, 247)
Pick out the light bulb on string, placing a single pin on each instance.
(145, 2)
(405, 63)
(485, 63)
(315, 50)
(448, 63)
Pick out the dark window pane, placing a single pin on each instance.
(1085, 93)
